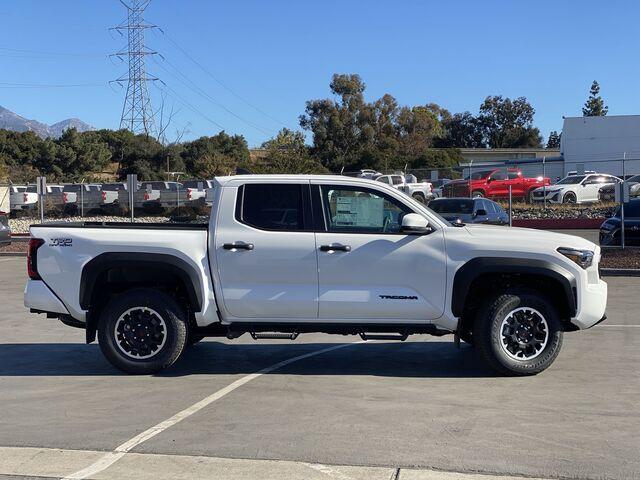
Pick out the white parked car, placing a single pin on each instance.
(284, 255)
(196, 190)
(575, 189)
(421, 191)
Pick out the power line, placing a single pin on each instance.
(219, 82)
(187, 82)
(177, 97)
(49, 85)
(48, 53)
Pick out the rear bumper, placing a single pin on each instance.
(38, 296)
(593, 303)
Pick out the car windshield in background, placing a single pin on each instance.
(447, 205)
(113, 187)
(572, 180)
(479, 175)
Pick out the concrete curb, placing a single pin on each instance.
(620, 272)
(12, 254)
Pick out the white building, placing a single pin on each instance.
(601, 144)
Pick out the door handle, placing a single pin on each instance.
(336, 248)
(238, 246)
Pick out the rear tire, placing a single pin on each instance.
(420, 198)
(477, 194)
(142, 331)
(518, 333)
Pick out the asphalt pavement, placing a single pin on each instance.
(366, 410)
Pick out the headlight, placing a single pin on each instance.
(584, 258)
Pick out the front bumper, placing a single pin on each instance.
(552, 197)
(593, 303)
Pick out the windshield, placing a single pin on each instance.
(450, 205)
(572, 180)
(479, 175)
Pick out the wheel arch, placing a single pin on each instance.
(113, 270)
(476, 274)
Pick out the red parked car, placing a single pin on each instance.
(494, 183)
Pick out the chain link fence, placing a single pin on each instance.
(603, 193)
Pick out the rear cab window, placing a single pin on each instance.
(277, 207)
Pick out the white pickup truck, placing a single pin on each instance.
(286, 255)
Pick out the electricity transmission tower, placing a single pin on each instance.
(137, 114)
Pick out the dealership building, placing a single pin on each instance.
(608, 144)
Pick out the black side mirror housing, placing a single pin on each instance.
(481, 212)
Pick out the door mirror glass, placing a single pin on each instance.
(481, 212)
(414, 224)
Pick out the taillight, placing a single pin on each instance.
(32, 258)
(104, 196)
(146, 196)
(188, 194)
(65, 197)
(25, 197)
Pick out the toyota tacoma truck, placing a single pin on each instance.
(287, 255)
(495, 183)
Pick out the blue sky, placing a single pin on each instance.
(274, 55)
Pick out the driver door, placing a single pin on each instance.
(368, 269)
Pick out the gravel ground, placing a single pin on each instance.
(523, 211)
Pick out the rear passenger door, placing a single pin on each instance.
(266, 252)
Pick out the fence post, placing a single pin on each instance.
(510, 208)
(544, 184)
(41, 189)
(622, 239)
(82, 199)
(132, 185)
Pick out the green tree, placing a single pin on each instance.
(351, 133)
(287, 153)
(220, 154)
(507, 123)
(341, 129)
(554, 140)
(462, 130)
(594, 106)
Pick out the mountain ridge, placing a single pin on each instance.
(12, 121)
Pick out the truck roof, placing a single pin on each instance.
(222, 181)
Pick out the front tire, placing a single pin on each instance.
(518, 333)
(569, 197)
(477, 194)
(142, 331)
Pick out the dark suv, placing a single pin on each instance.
(611, 228)
(470, 210)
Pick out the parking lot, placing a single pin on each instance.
(363, 410)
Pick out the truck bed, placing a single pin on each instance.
(124, 225)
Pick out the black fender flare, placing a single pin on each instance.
(170, 263)
(476, 267)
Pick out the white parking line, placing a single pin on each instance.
(620, 326)
(112, 457)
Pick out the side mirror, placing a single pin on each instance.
(480, 213)
(414, 224)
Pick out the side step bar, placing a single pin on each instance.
(274, 335)
(381, 336)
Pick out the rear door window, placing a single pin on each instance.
(271, 206)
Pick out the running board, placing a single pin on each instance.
(274, 335)
(378, 336)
